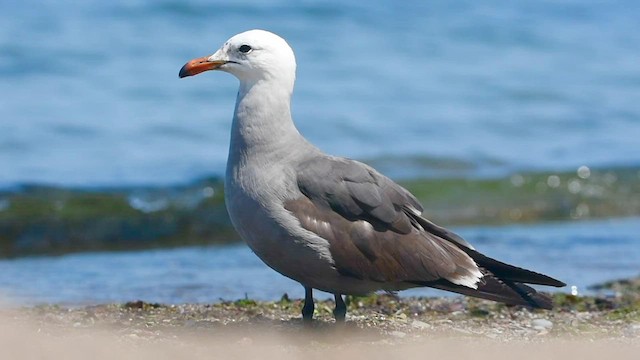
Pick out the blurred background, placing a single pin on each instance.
(515, 123)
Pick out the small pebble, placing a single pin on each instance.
(541, 324)
(462, 331)
(632, 330)
(420, 324)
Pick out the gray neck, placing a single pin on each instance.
(262, 126)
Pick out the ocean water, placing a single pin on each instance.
(89, 92)
(90, 97)
(209, 274)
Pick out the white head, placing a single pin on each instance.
(251, 56)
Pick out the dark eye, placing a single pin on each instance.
(245, 49)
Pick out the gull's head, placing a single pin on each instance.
(251, 56)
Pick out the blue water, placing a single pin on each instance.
(571, 251)
(89, 96)
(89, 93)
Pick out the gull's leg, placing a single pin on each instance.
(307, 309)
(340, 312)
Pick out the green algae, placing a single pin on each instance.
(244, 303)
(531, 197)
(38, 220)
(48, 220)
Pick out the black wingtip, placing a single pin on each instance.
(510, 272)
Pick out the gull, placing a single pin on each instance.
(332, 223)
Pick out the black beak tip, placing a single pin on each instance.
(184, 72)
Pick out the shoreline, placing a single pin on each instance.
(377, 327)
(610, 316)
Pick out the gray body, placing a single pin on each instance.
(261, 177)
(271, 168)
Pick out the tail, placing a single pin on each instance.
(502, 283)
(497, 289)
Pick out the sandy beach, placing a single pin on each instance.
(378, 327)
(29, 343)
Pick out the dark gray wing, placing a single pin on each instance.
(375, 232)
(373, 225)
(357, 192)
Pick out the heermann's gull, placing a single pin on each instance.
(331, 223)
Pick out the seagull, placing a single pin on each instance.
(332, 223)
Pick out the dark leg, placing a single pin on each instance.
(307, 309)
(340, 312)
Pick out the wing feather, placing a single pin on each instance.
(376, 232)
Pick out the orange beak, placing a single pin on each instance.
(196, 66)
